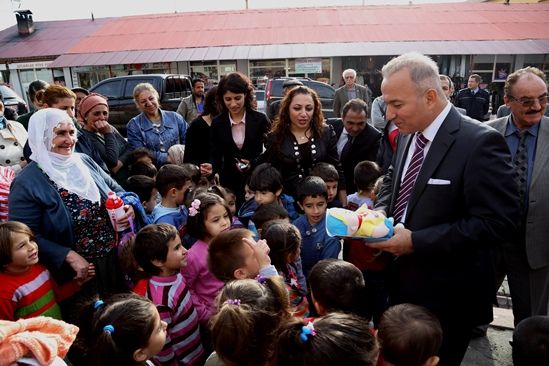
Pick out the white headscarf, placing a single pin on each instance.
(67, 171)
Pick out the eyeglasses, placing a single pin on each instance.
(528, 102)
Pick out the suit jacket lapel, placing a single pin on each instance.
(542, 150)
(439, 147)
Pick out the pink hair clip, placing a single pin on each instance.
(195, 207)
(232, 302)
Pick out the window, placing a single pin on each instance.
(110, 89)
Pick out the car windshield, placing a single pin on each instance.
(259, 95)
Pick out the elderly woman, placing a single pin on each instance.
(155, 129)
(299, 139)
(60, 195)
(237, 134)
(105, 139)
(13, 137)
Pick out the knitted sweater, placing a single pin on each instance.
(32, 294)
(174, 303)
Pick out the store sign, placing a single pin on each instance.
(308, 65)
(33, 65)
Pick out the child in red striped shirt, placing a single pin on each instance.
(27, 288)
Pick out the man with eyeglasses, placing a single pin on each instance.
(525, 258)
(351, 90)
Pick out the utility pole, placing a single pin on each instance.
(246, 4)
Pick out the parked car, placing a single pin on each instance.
(260, 98)
(273, 91)
(119, 92)
(13, 101)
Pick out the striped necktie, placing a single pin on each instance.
(409, 178)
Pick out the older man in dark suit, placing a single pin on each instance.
(526, 130)
(451, 185)
(357, 140)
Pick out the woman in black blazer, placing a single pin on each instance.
(237, 134)
(299, 139)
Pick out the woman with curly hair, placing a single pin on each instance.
(299, 139)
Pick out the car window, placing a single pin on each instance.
(131, 84)
(260, 95)
(110, 89)
(323, 91)
(177, 87)
(276, 88)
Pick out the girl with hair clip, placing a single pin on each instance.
(209, 216)
(245, 328)
(335, 339)
(125, 329)
(284, 242)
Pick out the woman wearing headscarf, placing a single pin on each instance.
(105, 139)
(60, 195)
(154, 129)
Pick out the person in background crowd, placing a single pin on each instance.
(60, 195)
(451, 186)
(80, 93)
(13, 137)
(357, 140)
(36, 88)
(155, 129)
(105, 139)
(198, 134)
(237, 134)
(274, 107)
(448, 89)
(299, 139)
(193, 105)
(351, 90)
(473, 99)
(526, 253)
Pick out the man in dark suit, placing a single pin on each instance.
(357, 140)
(526, 256)
(350, 90)
(473, 99)
(451, 185)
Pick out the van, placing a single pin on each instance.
(119, 92)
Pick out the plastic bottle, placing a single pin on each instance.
(115, 208)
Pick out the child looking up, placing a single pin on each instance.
(234, 255)
(245, 328)
(337, 285)
(266, 182)
(125, 329)
(366, 174)
(172, 182)
(284, 241)
(330, 176)
(315, 244)
(334, 339)
(27, 287)
(158, 250)
(409, 335)
(209, 216)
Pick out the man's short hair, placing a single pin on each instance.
(530, 341)
(477, 77)
(423, 71)
(515, 76)
(447, 78)
(355, 105)
(197, 80)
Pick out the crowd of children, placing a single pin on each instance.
(209, 285)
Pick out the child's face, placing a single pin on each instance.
(176, 257)
(217, 220)
(251, 263)
(294, 256)
(314, 208)
(24, 253)
(248, 193)
(266, 197)
(332, 190)
(151, 203)
(157, 339)
(230, 199)
(180, 193)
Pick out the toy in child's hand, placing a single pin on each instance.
(363, 223)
